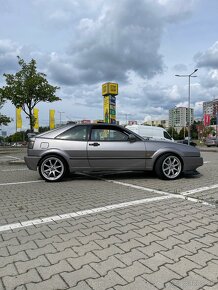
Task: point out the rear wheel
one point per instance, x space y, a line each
168 166
52 168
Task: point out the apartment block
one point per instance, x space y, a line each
180 117
210 108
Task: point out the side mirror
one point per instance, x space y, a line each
132 138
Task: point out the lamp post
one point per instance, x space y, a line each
189 97
60 116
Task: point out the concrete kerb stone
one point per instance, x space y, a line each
205 149
17 162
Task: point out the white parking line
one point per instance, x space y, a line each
21 182
165 195
12 170
80 213
10 157
137 187
179 195
201 189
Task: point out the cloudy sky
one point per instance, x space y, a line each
140 44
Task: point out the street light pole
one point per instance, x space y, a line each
60 116
189 101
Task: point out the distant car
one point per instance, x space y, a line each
212 141
185 141
106 147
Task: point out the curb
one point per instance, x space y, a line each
208 150
17 162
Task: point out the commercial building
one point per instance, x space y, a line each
179 117
164 123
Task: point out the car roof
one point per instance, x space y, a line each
55 132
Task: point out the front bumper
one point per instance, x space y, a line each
192 163
31 162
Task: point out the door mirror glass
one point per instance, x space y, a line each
132 138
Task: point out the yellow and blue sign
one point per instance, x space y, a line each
109 91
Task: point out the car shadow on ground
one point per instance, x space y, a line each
126 175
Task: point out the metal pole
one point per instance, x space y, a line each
189 97
172 122
189 110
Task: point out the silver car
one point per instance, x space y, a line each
212 141
106 147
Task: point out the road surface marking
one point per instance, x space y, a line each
11 157
201 189
21 182
79 213
17 169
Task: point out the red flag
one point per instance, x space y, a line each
206 120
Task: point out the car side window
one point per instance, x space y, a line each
77 133
99 134
167 136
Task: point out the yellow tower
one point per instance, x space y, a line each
109 92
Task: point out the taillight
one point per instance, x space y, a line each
31 144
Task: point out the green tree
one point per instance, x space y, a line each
183 133
194 131
16 137
4 120
27 88
213 121
173 133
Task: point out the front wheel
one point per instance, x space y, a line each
168 166
52 168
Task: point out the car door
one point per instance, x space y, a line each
109 148
73 144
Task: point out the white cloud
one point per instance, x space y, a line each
209 58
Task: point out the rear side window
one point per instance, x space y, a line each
77 133
167 136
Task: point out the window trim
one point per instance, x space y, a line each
105 127
82 126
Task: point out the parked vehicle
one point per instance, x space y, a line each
185 141
212 141
101 147
151 132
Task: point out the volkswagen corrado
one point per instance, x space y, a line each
106 147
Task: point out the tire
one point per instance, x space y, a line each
52 168
168 166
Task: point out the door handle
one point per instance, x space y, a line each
94 144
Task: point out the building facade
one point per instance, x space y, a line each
164 123
210 108
180 117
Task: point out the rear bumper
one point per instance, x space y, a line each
31 162
192 163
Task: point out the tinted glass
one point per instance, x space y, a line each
108 135
78 133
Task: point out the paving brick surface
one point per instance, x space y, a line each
169 244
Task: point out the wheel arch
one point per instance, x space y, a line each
57 154
167 153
